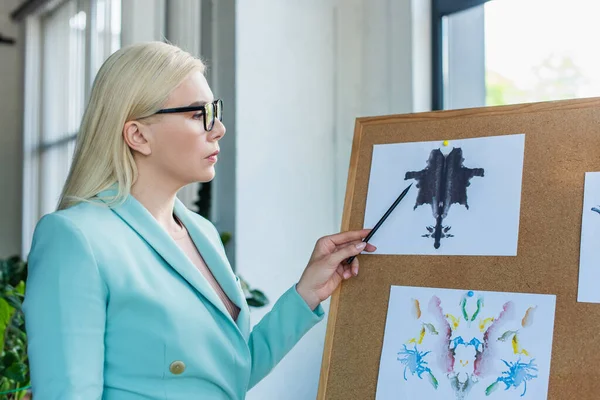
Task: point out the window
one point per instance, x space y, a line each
509 51
65 48
62 100
547 52
107 34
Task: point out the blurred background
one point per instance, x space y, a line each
294 75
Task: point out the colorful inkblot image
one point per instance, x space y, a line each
466 197
466 345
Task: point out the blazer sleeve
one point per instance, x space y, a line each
65 312
278 331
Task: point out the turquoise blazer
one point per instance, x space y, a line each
115 310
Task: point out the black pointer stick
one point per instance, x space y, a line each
387 214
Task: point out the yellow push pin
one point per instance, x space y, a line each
446 143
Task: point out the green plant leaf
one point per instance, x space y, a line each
14 369
12 271
17 372
254 297
225 238
258 298
254 303
13 300
6 312
3 272
244 284
21 288
10 357
21 394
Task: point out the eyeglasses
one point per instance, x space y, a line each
209 111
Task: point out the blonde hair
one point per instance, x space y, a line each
133 83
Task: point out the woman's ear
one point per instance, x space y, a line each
135 136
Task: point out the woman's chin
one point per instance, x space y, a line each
206 176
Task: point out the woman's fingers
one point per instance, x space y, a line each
345 237
332 243
346 252
368 248
343 253
347 274
351 270
343 271
353 267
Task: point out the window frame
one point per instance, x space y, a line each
439 10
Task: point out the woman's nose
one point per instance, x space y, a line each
218 130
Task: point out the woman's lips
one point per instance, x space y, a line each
213 157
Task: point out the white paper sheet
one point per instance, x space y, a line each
490 226
451 344
589 258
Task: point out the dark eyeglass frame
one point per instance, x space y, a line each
217 112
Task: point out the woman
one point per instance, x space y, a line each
129 294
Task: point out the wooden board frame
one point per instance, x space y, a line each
562 142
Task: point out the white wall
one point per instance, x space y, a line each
11 110
285 160
304 71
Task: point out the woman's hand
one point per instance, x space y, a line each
327 265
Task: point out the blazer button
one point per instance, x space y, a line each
177 367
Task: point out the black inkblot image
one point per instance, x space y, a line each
442 183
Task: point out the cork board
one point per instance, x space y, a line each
562 142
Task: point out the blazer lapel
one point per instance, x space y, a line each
208 243
140 219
